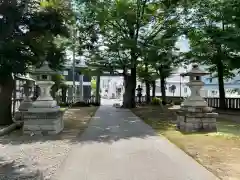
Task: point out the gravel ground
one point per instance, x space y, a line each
24 157
24 160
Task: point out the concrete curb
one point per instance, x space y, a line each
9 129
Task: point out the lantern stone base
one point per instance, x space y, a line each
25 105
194 119
43 121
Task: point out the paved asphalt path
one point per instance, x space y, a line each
119 146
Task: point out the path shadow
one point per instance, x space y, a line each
120 124
110 134
11 170
115 125
72 128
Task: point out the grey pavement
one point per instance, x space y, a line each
110 101
117 145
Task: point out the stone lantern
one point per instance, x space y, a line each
44 81
195 115
44 116
27 101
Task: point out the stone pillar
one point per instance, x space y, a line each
79 90
70 94
78 93
26 103
45 99
98 98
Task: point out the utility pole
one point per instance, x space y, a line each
180 86
74 36
74 62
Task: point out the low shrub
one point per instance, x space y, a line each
63 104
156 101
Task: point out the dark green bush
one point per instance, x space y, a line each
63 104
80 104
178 102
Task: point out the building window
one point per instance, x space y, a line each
185 90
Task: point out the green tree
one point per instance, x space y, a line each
123 25
27 38
93 86
231 14
162 55
209 34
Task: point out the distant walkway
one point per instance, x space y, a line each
119 146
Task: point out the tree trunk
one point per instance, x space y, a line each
148 98
130 85
98 98
127 98
163 91
153 89
64 94
14 97
221 85
6 89
130 81
147 83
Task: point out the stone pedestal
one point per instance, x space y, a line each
26 103
45 123
70 94
193 119
81 88
79 97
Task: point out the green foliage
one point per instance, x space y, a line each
156 101
210 35
93 84
213 31
125 28
146 74
28 37
30 33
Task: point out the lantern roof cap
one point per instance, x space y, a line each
44 69
195 71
